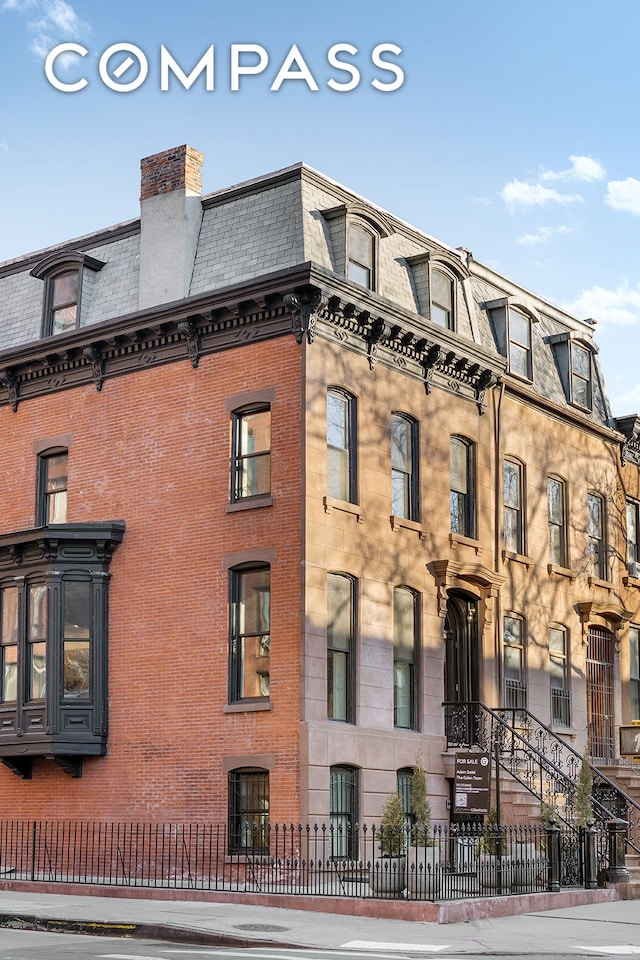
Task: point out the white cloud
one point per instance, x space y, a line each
619 306
544 234
50 21
624 195
518 193
582 168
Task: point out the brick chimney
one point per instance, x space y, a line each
170 219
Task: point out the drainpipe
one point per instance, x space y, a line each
497 446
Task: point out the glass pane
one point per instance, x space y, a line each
634 654
556 641
77 610
337 685
64 319
457 510
519 360
594 517
254 475
556 554
580 361
9 615
401 447
9 673
511 530
555 503
556 673
441 291
255 432
76 669
360 275
404 609
37 670
37 611
400 505
512 630
338 473
339 612
519 329
580 391
255 666
512 663
511 484
402 684
440 316
337 421
65 289
459 472
254 602
360 247
56 469
57 507
632 524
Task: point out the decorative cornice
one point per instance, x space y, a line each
304 306
61 544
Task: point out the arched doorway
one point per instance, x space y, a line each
462 665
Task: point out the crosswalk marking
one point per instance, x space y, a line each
620 950
393 947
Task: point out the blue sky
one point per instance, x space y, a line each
514 134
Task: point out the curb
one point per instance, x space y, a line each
134 931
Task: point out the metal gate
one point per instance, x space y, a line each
600 725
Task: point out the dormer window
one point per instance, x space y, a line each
361 257
519 344
580 376
442 293
63 276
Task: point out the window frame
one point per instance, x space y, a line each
560 706
259 817
359 227
514 510
409 479
344 817
633 537
575 377
238 673
515 689
53 268
406 654
345 654
557 526
467 514
634 671
241 458
346 456
597 538
46 497
451 313
514 344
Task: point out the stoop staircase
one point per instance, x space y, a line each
543 765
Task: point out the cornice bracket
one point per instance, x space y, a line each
8 380
189 331
304 305
92 355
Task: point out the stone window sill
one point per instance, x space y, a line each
457 540
603 584
556 571
331 503
398 523
631 582
251 503
509 557
247 706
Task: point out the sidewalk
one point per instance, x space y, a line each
610 928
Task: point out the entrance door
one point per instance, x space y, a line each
600 726
462 668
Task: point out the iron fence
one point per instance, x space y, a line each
460 862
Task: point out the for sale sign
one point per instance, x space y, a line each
473 776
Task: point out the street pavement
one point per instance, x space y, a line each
609 929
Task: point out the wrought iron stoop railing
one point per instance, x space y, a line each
536 757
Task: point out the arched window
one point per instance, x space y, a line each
404 466
341 445
51 504
442 299
514 661
340 647
250 633
405 646
462 493
514 526
559 675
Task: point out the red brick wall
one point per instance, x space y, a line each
152 449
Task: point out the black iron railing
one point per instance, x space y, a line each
451 863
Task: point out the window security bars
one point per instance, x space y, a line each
461 862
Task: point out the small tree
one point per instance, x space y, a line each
584 808
420 805
392 827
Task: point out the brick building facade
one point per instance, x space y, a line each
281 476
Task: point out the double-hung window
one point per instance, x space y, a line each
405 623
514 534
341 445
634 671
519 347
9 598
442 299
559 676
515 686
249 811
404 467
250 638
52 487
596 536
633 544
340 647
461 496
556 515
344 801
580 375
361 256
250 452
